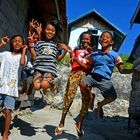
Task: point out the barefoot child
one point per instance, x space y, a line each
45 55
10 63
103 62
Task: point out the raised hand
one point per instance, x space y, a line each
38 28
32 25
5 40
31 39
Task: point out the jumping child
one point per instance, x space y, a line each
103 62
45 55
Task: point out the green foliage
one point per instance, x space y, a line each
65 60
126 64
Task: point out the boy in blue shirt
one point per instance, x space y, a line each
103 62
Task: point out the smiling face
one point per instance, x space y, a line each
50 31
17 44
86 40
106 40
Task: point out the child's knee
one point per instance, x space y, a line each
37 85
45 84
83 85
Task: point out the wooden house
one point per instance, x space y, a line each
96 23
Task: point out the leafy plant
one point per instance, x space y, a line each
126 64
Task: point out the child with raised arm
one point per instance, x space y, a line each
45 55
103 62
10 63
79 70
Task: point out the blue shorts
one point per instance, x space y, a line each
104 85
7 101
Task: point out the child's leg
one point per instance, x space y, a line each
101 104
37 80
109 94
9 104
71 89
48 79
86 96
92 97
8 117
30 89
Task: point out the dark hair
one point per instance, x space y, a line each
11 41
110 32
93 42
58 28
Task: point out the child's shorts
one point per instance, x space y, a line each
7 101
104 85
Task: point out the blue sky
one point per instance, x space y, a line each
118 12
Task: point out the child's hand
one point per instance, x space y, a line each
73 59
31 40
24 47
38 28
63 46
89 60
31 37
4 40
89 49
32 24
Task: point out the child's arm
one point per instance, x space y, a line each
38 28
31 45
66 49
4 41
89 61
124 71
119 65
23 55
79 62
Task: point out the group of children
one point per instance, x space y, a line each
90 68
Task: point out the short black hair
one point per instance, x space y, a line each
58 27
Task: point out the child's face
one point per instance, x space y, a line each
86 40
36 38
50 31
17 44
106 40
